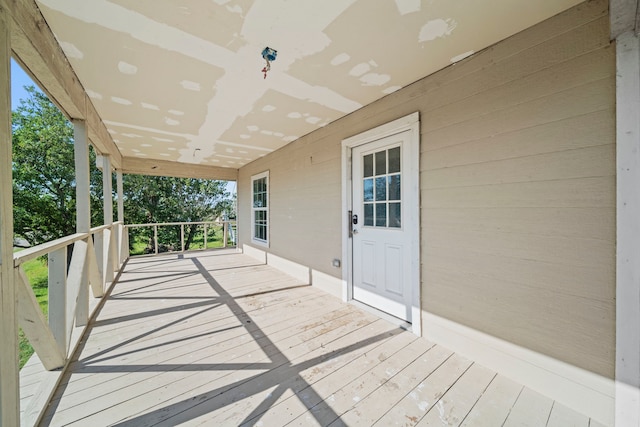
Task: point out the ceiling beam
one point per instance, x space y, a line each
624 16
137 166
37 50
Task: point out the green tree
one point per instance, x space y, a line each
44 182
157 199
44 171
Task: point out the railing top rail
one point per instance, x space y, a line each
160 224
44 248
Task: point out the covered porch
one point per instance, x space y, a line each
523 193
219 338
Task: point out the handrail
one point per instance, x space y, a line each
44 248
160 224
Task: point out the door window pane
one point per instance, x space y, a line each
382 184
381 162
368 214
381 214
368 165
394 187
381 188
395 217
394 160
368 190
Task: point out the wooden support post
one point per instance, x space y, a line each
628 230
107 196
123 251
225 232
9 388
58 321
83 209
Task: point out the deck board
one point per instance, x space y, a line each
216 338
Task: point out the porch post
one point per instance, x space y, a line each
628 230
121 236
83 209
9 373
107 196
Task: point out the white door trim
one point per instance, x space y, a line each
409 123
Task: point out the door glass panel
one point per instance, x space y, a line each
368 190
395 217
394 187
381 188
382 184
381 214
381 162
368 214
368 165
394 160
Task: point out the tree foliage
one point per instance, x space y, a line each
44 197
157 199
44 182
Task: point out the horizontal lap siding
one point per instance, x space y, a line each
518 195
517 189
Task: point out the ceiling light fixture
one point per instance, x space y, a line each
269 55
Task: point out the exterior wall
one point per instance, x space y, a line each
517 189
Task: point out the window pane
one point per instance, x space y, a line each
395 215
368 190
394 187
381 163
368 214
394 160
381 188
368 165
381 214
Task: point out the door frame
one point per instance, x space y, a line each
409 123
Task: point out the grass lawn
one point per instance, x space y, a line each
37 272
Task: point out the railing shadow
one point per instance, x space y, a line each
279 372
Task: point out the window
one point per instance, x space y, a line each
260 208
381 189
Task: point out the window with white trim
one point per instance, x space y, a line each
260 208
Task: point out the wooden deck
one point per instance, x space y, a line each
216 338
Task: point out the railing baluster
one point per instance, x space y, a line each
57 265
182 237
225 232
155 238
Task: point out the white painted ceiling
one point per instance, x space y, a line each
181 80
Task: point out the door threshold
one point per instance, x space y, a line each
403 324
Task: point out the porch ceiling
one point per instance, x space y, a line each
181 81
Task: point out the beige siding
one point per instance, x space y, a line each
517 189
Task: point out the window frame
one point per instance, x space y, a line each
258 241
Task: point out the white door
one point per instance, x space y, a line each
381 224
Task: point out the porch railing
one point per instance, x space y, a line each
228 229
95 257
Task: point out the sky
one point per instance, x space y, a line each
19 79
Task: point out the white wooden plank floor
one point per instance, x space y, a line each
216 338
